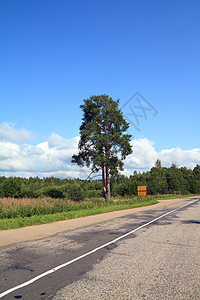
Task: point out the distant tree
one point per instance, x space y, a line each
174 165
173 179
103 138
11 187
185 185
122 189
157 183
75 192
196 172
158 164
53 192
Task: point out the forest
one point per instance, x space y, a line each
159 180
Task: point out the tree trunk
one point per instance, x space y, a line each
107 185
103 181
107 176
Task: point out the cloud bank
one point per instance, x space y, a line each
53 156
9 133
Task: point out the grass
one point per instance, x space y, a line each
16 213
167 197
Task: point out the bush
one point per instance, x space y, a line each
11 187
122 189
53 192
75 192
94 194
31 191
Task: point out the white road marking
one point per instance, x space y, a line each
88 253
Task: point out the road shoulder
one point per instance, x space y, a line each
12 236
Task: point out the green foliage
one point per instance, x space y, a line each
94 194
122 189
15 217
157 183
75 192
159 180
173 179
103 138
11 187
53 192
196 172
32 190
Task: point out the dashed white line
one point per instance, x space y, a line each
90 252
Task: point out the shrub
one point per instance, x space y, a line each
75 192
53 192
11 187
94 194
122 189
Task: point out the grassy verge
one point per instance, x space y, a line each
9 223
16 213
167 197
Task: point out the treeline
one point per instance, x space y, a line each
159 180
74 189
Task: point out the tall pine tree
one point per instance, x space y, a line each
104 142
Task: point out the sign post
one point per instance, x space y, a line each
142 190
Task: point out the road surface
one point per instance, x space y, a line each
150 254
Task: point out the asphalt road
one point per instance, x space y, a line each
161 260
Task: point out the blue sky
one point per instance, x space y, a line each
54 54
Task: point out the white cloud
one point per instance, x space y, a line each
53 158
56 141
49 158
188 158
144 156
9 133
